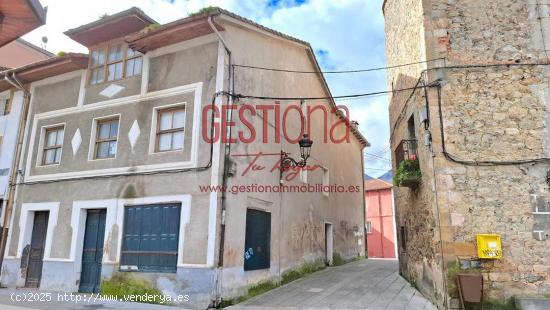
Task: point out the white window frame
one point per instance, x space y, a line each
368 227
93 136
40 153
154 122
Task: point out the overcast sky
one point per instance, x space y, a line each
345 34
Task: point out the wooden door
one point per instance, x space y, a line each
36 252
92 253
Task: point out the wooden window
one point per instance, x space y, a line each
113 62
150 238
5 106
170 129
53 144
97 67
133 62
106 138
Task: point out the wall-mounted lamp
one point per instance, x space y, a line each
305 150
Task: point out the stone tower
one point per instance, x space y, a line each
476 119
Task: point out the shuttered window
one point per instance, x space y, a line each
150 238
257 240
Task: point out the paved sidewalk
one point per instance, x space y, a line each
366 284
8 302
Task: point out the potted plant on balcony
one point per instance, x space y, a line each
408 173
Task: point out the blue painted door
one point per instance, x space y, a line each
257 240
92 253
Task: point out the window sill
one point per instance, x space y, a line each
113 81
167 152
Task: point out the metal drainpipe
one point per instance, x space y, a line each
226 160
14 171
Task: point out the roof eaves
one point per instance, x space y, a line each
39 11
253 23
140 35
46 62
133 10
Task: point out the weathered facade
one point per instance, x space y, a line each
95 159
480 116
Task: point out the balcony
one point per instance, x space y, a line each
406 150
408 168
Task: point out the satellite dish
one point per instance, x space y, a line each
45 40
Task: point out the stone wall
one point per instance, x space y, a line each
497 114
416 211
490 113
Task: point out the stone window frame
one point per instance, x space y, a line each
127 56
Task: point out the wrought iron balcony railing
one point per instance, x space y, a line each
407 149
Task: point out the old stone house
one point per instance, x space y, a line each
119 173
477 121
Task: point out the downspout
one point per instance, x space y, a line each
227 159
364 202
15 163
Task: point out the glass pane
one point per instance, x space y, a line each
130 67
59 140
101 57
57 155
115 53
114 129
112 148
94 57
49 157
165 120
165 142
130 53
118 71
97 76
104 130
98 58
102 150
111 72
179 119
51 137
137 66
177 140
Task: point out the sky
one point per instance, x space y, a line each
345 34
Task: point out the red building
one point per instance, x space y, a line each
380 219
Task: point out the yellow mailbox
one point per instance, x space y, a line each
489 246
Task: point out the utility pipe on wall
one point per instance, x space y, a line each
227 154
15 164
